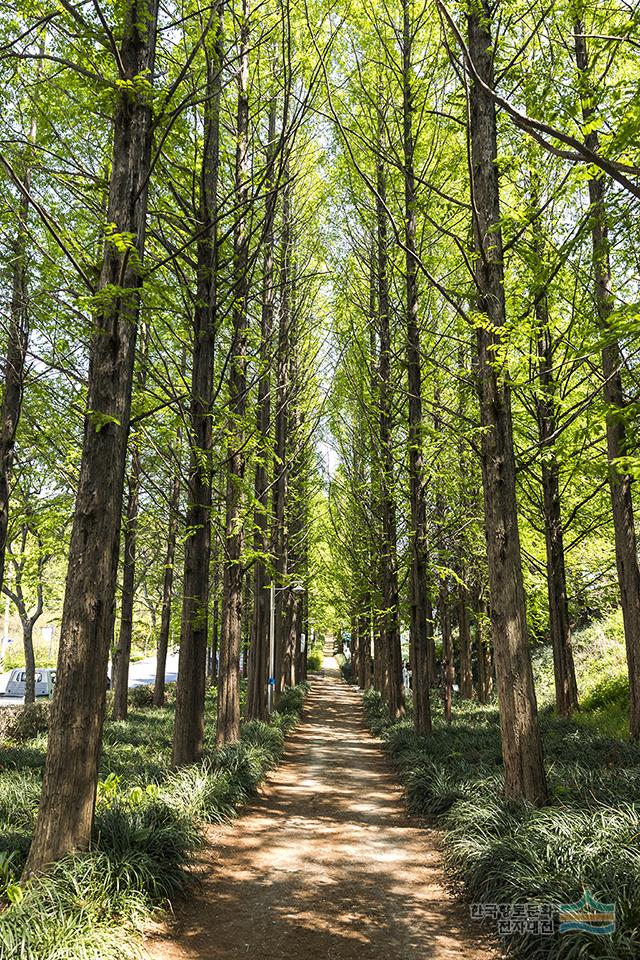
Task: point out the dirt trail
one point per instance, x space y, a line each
326 864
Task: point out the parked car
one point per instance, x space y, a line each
16 685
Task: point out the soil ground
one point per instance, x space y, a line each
326 863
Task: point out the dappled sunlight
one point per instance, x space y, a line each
326 863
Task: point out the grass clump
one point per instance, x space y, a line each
149 822
501 852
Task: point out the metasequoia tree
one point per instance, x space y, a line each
65 816
626 546
228 722
188 732
521 742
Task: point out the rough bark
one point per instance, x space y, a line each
188 731
259 650
388 649
448 666
228 719
65 816
464 626
419 571
123 650
626 547
566 688
14 364
167 590
521 742
279 535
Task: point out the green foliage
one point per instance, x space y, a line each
149 823
498 851
24 723
141 696
315 659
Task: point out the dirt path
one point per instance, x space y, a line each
325 864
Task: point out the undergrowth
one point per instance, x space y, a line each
501 852
149 823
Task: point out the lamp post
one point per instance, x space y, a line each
294 588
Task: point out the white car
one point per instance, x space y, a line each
16 685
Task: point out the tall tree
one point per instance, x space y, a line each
626 547
65 816
521 742
188 731
228 722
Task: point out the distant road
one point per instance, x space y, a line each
141 674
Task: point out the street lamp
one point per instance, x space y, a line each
294 588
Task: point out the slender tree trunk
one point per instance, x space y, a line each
123 651
521 742
167 590
279 536
388 649
259 650
14 364
364 662
66 810
483 653
448 666
29 661
228 726
419 572
188 730
431 644
215 621
618 446
464 624
566 689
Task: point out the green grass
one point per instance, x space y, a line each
497 851
149 823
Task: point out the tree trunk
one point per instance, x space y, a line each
431 645
167 590
259 650
418 533
618 447
566 688
123 651
464 624
388 649
228 726
215 621
188 730
29 661
521 742
17 343
448 666
65 816
279 536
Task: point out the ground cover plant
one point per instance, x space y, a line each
499 851
149 822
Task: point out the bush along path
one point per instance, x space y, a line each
501 852
326 864
150 824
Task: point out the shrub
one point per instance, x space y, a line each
85 907
24 722
141 696
315 659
